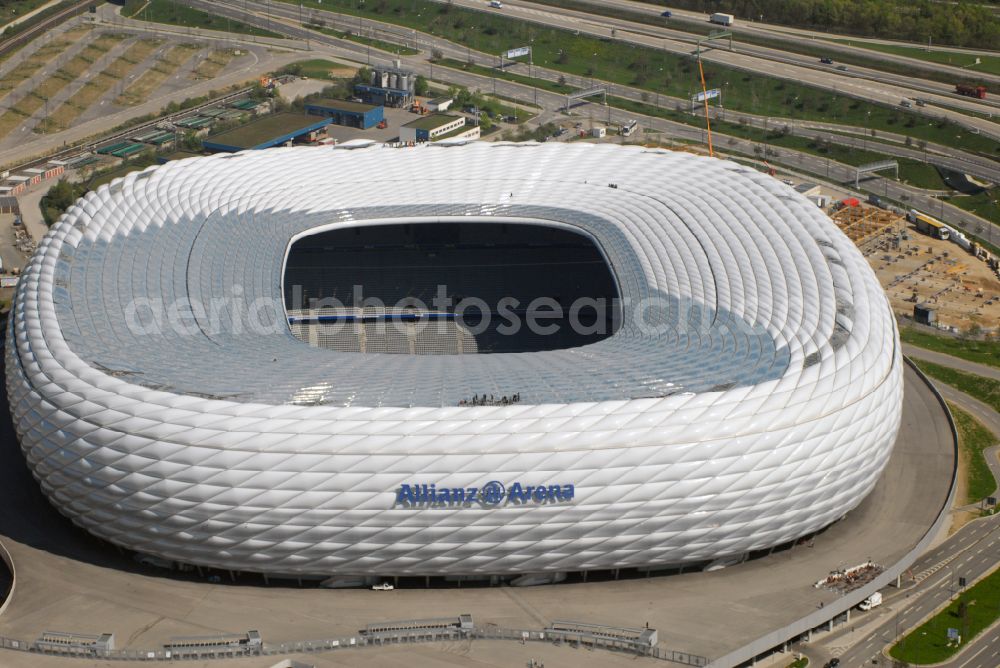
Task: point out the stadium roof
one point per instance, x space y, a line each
742 280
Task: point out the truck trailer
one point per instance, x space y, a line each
929 226
722 19
971 91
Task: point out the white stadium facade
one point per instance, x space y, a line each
194 375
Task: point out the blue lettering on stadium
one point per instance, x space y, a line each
490 495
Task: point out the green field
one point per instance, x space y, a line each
816 49
13 9
974 438
543 84
176 14
653 69
928 643
986 390
316 68
920 174
980 352
391 47
985 205
987 64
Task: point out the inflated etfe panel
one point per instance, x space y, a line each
751 394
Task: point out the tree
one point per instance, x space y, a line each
437 54
59 199
420 86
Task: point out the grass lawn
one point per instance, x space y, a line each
31 64
64 116
987 64
920 174
176 14
973 439
981 352
985 204
928 643
653 69
210 67
316 68
793 45
13 9
544 84
986 390
391 47
140 89
773 138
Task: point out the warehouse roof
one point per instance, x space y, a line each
431 122
267 131
342 105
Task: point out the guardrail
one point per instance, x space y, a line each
488 632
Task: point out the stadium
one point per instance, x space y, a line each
469 360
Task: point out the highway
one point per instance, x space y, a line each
763 29
789 55
972 552
284 18
882 90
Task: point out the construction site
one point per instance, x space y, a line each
957 289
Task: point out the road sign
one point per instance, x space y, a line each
952 634
707 95
518 52
992 500
961 582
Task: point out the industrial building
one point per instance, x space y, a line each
272 130
437 126
389 87
752 395
439 104
345 112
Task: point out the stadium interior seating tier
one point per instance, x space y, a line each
475 273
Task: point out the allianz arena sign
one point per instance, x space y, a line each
492 494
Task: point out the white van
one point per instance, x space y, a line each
496 4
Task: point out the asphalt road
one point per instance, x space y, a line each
285 19
952 361
775 31
972 552
881 90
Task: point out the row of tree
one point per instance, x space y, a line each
958 23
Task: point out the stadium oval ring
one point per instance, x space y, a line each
757 401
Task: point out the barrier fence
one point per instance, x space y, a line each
408 636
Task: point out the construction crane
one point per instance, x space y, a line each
704 95
722 34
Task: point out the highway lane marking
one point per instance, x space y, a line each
973 657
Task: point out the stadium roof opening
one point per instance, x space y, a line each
437 288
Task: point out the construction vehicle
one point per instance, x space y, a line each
971 91
418 108
382 125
